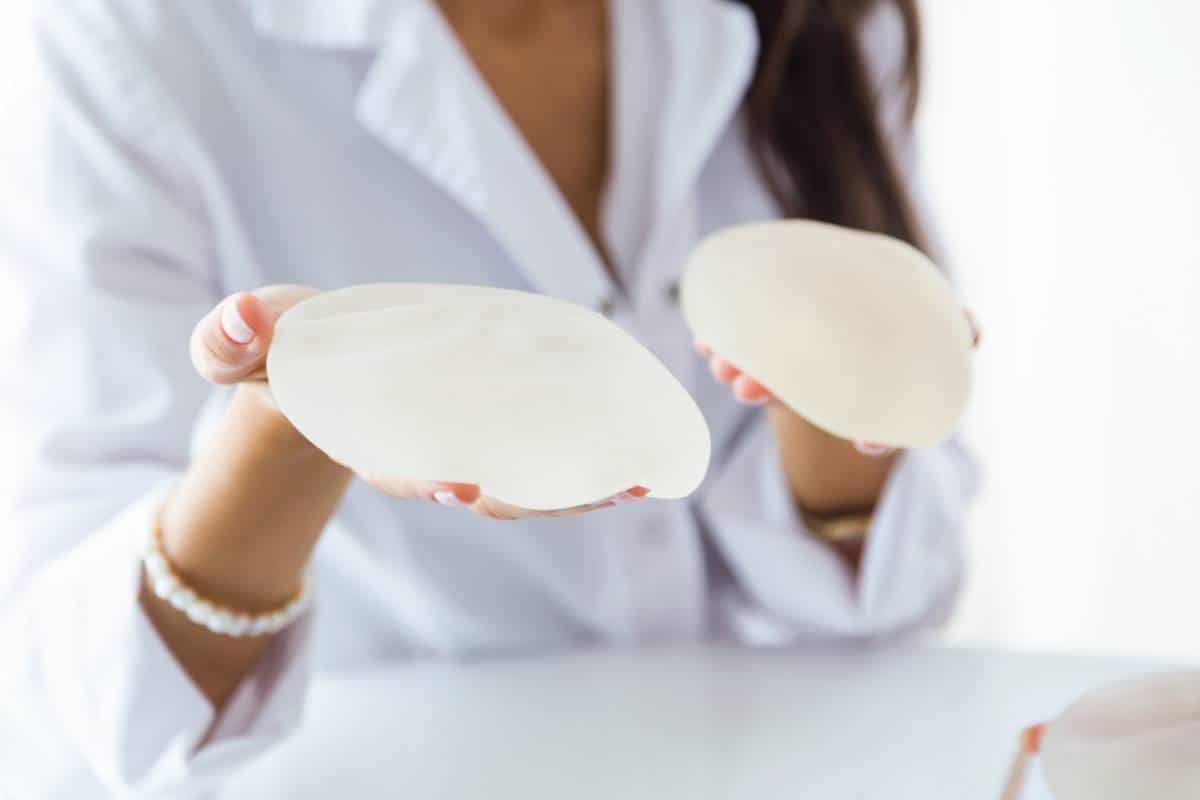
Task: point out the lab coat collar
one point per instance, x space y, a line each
423 98
710 59
342 25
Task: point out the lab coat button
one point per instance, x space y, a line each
673 292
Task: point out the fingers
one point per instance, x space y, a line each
745 389
749 391
722 370
873 450
491 508
464 496
230 343
497 509
976 333
1031 738
280 297
469 497
630 495
455 495
451 495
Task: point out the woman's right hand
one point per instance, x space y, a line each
240 525
229 346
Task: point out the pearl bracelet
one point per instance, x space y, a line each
167 585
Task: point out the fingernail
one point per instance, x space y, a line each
872 450
235 327
761 400
1031 739
974 326
625 497
448 498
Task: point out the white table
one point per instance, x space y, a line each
694 723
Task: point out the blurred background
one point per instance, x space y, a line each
1060 142
1060 147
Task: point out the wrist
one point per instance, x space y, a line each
266 439
826 475
256 417
242 522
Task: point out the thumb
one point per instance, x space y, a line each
230 343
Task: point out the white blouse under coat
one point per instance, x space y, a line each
197 149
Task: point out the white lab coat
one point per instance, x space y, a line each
196 149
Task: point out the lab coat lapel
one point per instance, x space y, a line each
413 100
345 24
710 52
523 207
423 98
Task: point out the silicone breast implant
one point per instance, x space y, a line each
543 403
859 333
1135 741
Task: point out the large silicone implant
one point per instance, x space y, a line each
859 333
543 403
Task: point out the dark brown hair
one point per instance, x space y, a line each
815 113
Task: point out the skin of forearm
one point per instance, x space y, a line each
826 474
239 530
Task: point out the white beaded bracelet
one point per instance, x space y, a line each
166 584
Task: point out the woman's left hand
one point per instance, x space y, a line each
750 392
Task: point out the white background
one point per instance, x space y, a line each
1060 143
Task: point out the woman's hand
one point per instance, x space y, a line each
827 476
229 346
750 392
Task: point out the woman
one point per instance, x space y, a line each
581 148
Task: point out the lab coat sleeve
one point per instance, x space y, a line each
786 584
109 251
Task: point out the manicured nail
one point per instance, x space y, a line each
235 327
872 450
975 331
448 498
1031 739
